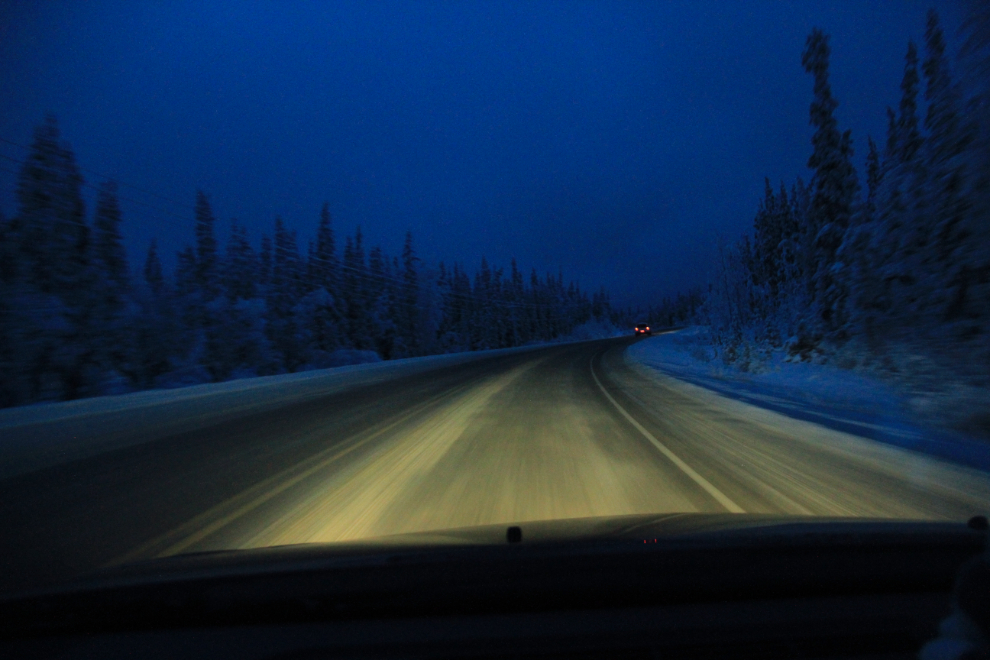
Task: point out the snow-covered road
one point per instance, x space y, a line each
556 432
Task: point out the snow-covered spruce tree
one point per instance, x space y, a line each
284 293
444 295
467 303
539 318
236 344
728 307
264 264
240 265
154 275
483 321
154 327
353 297
56 339
768 233
866 289
207 258
409 321
953 260
949 137
218 331
887 301
771 257
13 385
112 310
453 334
320 315
971 298
326 265
191 297
517 300
430 309
185 279
383 306
917 195
108 248
834 189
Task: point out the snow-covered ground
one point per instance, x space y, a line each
836 398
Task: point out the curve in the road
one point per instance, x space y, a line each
562 432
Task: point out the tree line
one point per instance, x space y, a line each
75 320
894 273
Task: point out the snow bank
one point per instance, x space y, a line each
844 400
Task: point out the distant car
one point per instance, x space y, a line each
643 329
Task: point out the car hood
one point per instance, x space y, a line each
544 537
627 561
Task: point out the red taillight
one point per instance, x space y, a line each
647 328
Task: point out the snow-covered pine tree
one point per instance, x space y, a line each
240 265
265 263
454 335
108 248
50 229
483 321
154 331
185 272
444 324
906 139
111 282
971 299
516 299
11 386
834 189
866 289
53 240
886 301
380 291
320 314
537 317
154 276
207 260
282 327
950 258
767 236
326 267
409 322
235 342
354 301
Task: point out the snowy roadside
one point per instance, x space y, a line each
835 398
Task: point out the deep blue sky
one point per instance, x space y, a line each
614 140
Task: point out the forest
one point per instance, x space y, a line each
888 273
77 320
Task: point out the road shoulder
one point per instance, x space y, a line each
838 400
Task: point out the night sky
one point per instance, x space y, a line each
614 141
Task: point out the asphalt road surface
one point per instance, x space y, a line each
563 431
